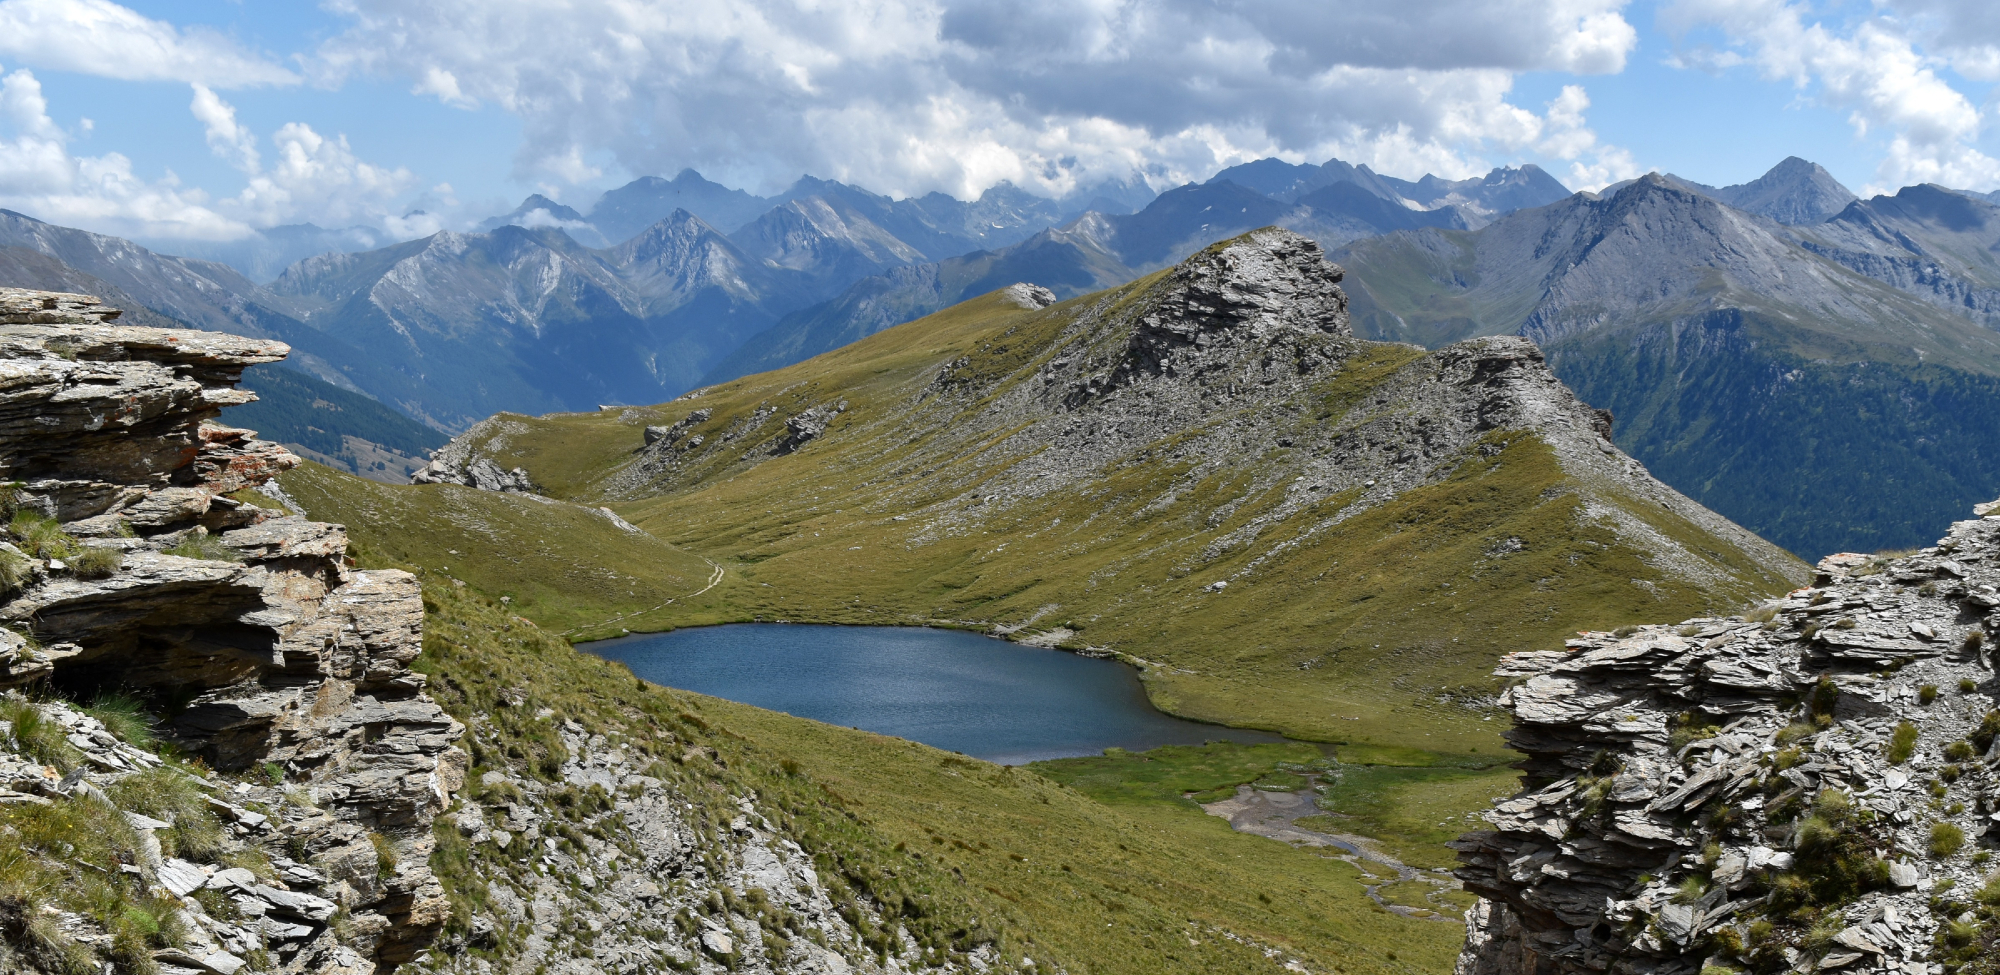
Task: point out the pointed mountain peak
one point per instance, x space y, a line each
679 223
1795 191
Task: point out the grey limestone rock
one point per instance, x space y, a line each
1668 771
283 654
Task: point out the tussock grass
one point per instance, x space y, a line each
166 793
125 716
1902 743
40 536
96 561
37 736
200 544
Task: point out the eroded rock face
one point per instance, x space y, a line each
1809 788
247 619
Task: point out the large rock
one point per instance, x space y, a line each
277 651
1674 776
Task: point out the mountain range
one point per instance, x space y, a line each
1829 385
664 283
1690 311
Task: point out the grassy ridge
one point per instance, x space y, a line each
563 565
1139 888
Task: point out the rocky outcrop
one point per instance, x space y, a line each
1809 787
618 858
1270 287
458 463
139 565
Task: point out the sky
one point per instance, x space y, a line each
212 119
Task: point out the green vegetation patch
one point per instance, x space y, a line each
564 565
1413 812
1202 773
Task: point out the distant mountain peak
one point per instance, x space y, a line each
1795 192
538 211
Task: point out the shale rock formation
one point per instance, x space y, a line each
1811 787
140 565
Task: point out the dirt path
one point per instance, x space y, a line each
713 578
1275 815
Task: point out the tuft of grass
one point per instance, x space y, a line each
1958 751
14 570
1989 729
385 856
1902 743
125 716
96 561
1795 732
199 544
1967 685
169 794
38 736
1927 694
40 536
1946 839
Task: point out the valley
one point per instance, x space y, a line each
1243 501
1314 506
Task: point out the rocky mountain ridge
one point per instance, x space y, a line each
1718 336
1810 787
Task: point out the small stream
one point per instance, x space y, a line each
1274 815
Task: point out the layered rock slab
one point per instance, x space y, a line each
1810 787
247 621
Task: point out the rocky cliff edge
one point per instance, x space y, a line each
1810 787
139 569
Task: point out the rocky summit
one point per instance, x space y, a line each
1809 787
141 569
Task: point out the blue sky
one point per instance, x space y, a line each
210 119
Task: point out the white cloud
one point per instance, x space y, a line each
320 179
40 177
1568 137
101 38
1874 68
908 96
1965 33
311 178
226 138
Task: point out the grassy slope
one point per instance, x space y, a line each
1360 634
1095 887
561 564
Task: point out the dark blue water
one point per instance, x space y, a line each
954 690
